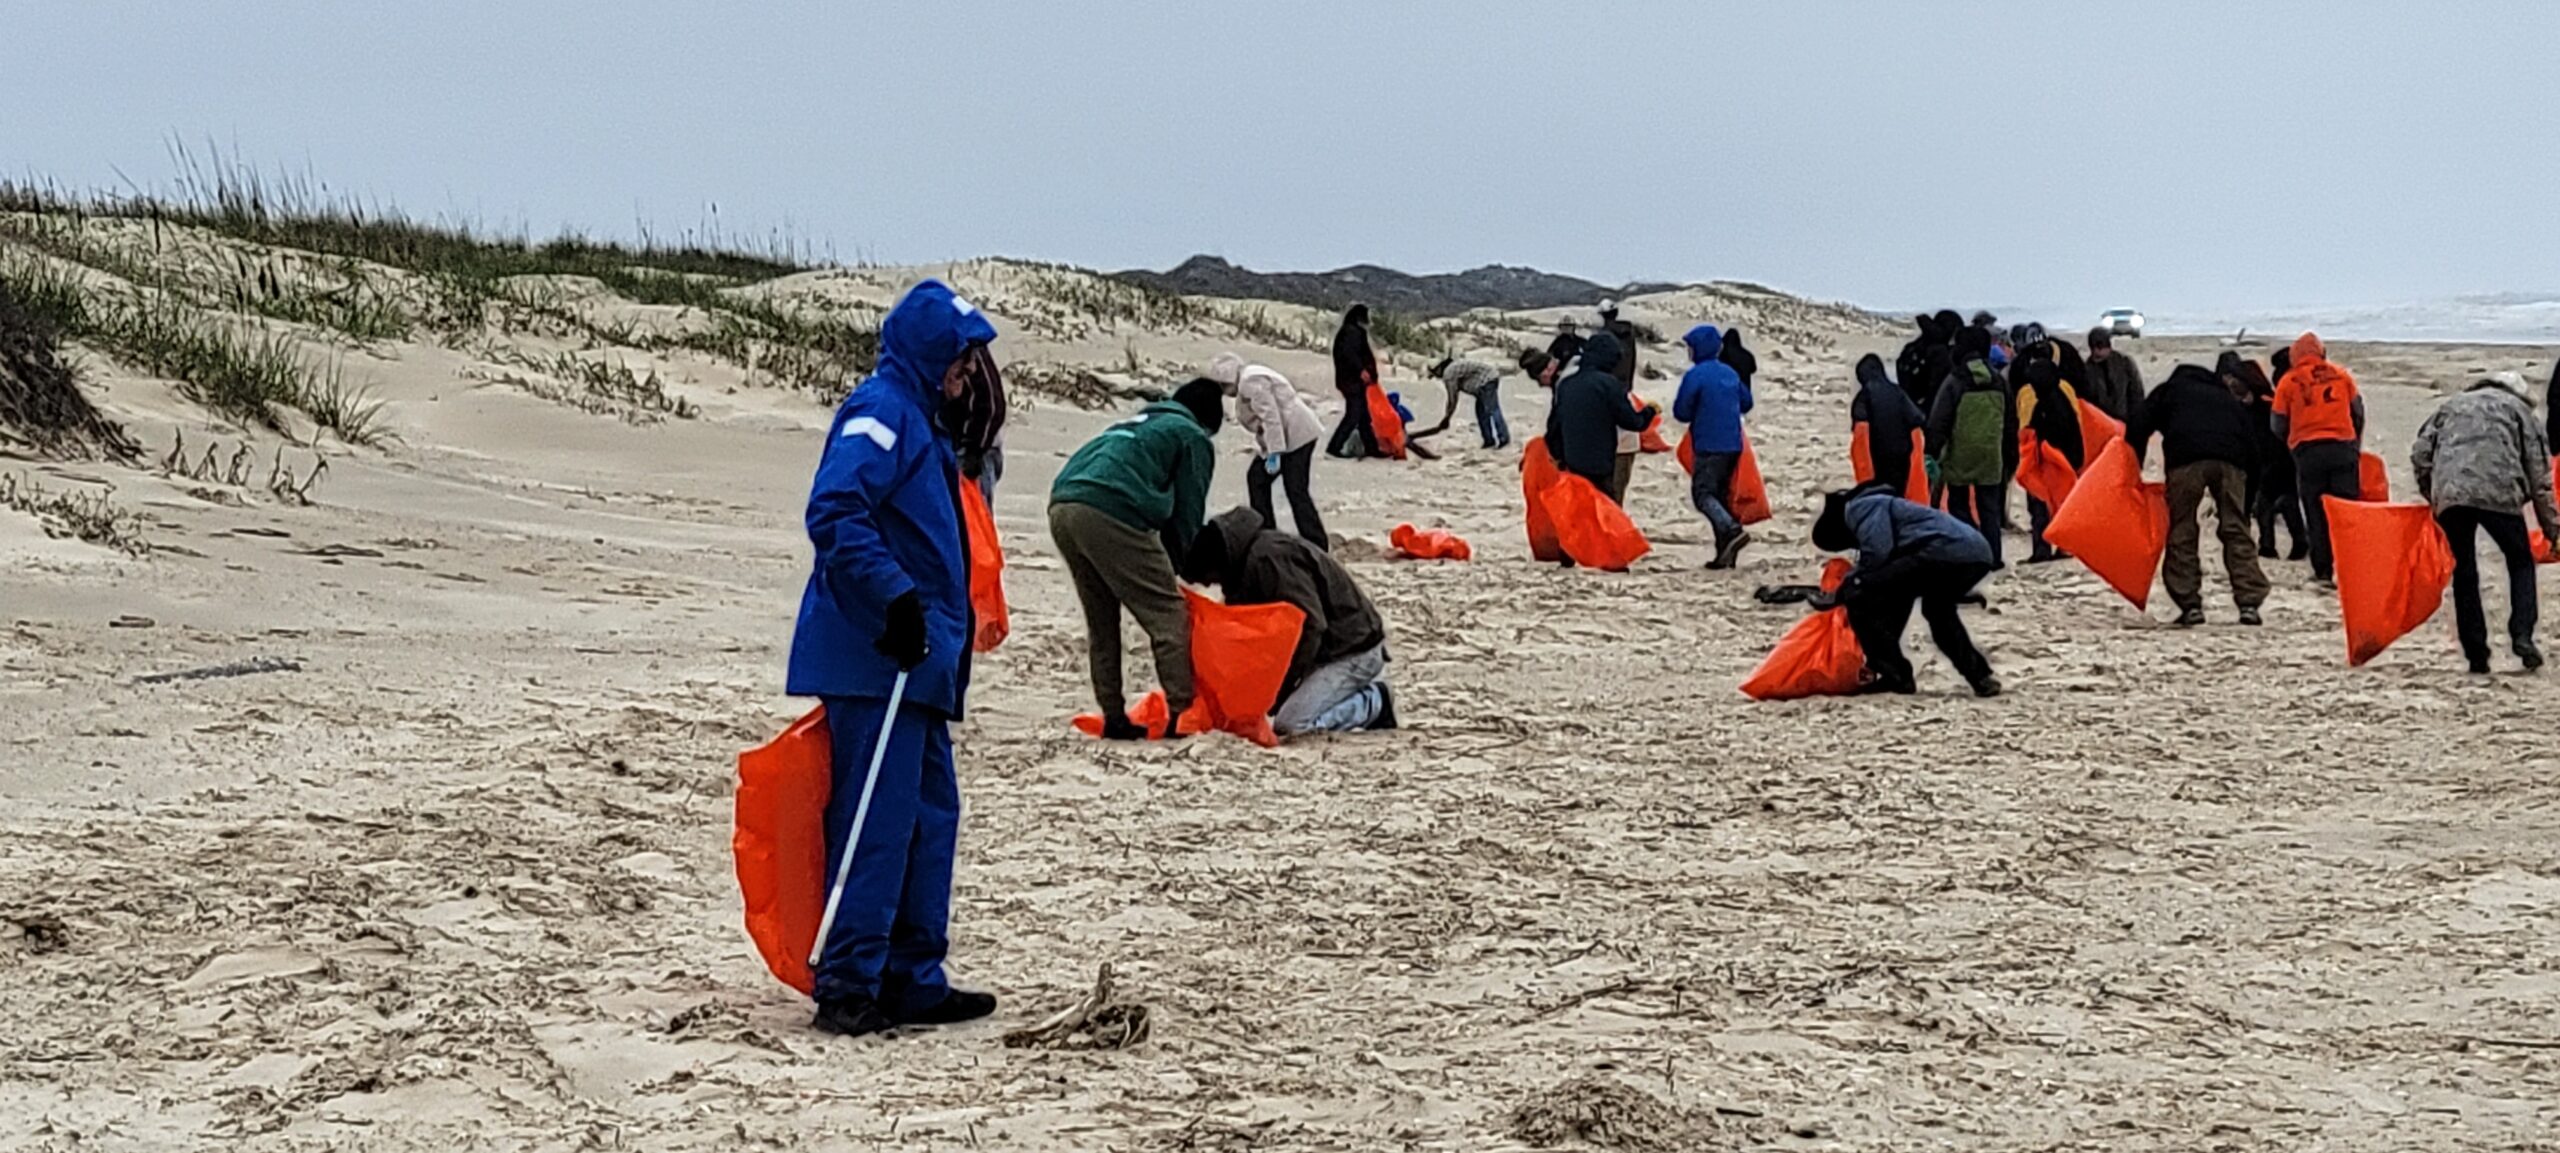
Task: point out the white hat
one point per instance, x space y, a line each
1608 307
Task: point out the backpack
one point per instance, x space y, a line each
1975 454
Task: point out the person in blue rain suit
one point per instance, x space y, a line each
889 596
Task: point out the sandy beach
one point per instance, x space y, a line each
400 820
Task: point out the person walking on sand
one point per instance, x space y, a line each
1337 680
2209 443
1712 400
2480 457
1285 430
2271 479
1591 407
2048 407
2321 417
1123 509
883 641
1973 436
1908 554
2115 381
1355 370
1890 417
1479 382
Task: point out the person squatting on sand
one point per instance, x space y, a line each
1337 680
1907 554
2480 458
2209 446
1355 368
1480 382
1712 400
883 641
1285 430
2320 415
1591 409
1123 509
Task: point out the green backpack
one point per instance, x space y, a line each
1974 454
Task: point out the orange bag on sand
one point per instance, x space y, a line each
1538 473
1595 532
2096 429
986 570
2393 568
1386 422
1862 463
2374 477
780 842
2115 523
1437 544
1651 440
2043 471
1239 659
1819 657
1750 493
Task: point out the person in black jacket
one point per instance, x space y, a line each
1926 361
1355 369
1738 358
2050 409
2275 487
1890 417
1589 409
1567 344
2210 447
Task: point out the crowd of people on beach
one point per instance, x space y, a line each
1966 411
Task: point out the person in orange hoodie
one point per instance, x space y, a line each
2320 415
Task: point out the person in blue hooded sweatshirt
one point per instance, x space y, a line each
1713 398
889 599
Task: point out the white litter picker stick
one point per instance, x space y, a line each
861 810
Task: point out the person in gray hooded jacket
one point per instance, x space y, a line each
2481 458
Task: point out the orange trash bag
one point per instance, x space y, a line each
986 570
2373 477
780 843
2115 523
2393 568
1538 473
1437 544
1862 463
1239 659
2096 429
1386 422
1819 657
1750 494
1652 440
1595 532
2043 471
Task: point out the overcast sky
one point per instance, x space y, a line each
2172 155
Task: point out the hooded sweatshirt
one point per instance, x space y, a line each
884 517
1258 566
2483 449
1268 406
1713 395
1885 528
2198 418
1889 415
2318 399
1149 472
1923 361
1355 363
1589 410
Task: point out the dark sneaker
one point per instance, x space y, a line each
1987 687
2531 655
2325 584
1386 718
1727 552
1874 684
2249 616
854 1017
2190 618
1121 728
955 1007
2044 558
2300 551
2479 666
2267 552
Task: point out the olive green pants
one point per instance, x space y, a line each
1115 565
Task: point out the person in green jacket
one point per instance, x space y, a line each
1973 438
1125 505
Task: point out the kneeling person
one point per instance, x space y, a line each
1337 678
1907 554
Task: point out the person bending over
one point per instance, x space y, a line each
1337 680
1907 554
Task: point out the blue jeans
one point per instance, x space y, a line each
892 927
1711 490
1489 421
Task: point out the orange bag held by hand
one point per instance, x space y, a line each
1819 657
2115 523
780 843
986 570
2393 568
2373 477
1595 532
1750 493
1239 659
1437 544
1538 474
1386 422
2043 471
1862 463
2096 429
1652 440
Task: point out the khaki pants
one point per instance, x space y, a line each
2183 570
1114 565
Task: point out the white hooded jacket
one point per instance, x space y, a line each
1267 405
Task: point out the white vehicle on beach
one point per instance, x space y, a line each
2121 322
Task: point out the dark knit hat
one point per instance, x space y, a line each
1831 528
1206 399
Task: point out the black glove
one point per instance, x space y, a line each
1823 600
902 639
972 464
